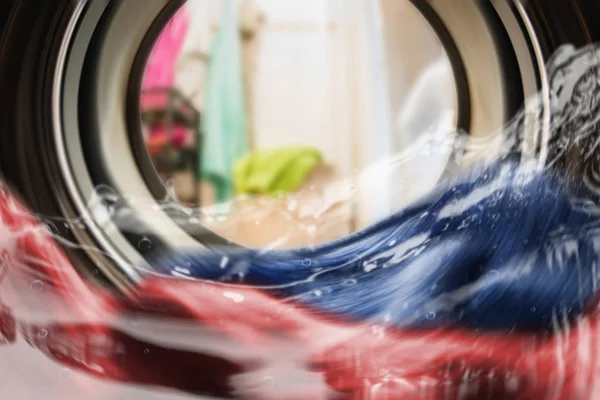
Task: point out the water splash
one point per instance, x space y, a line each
563 250
476 249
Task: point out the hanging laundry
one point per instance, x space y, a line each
160 74
192 65
224 122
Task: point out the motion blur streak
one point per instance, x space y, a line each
522 323
360 361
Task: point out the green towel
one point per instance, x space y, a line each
275 171
224 117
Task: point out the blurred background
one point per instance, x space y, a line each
294 123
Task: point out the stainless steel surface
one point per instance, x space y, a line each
67 138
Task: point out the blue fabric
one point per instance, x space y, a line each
502 248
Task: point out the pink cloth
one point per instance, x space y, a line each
160 72
160 69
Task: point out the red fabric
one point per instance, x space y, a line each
360 361
156 143
159 139
159 134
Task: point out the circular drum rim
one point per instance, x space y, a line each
98 53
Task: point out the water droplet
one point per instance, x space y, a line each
224 262
146 351
268 381
392 243
51 228
43 333
350 282
533 309
493 274
318 293
65 373
37 286
430 316
236 297
307 262
145 244
369 267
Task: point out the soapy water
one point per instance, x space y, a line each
338 307
481 250
482 253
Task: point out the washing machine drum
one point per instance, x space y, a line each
71 143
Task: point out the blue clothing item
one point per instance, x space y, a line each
504 247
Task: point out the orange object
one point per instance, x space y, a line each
156 143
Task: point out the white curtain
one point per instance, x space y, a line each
366 108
